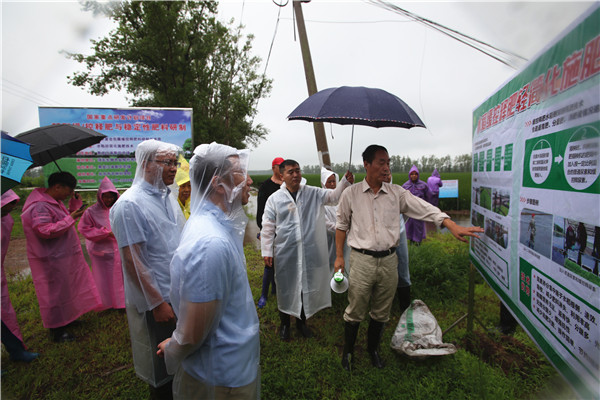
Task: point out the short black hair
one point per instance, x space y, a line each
287 162
62 178
369 154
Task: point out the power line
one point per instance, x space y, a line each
505 57
27 94
394 21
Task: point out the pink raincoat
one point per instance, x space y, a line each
9 317
63 281
103 249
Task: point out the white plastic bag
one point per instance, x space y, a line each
418 334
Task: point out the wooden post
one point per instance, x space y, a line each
471 299
311 83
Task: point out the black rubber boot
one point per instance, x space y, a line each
350 333
403 294
15 347
284 328
373 338
303 329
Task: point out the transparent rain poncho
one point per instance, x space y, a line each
294 234
147 224
216 341
330 219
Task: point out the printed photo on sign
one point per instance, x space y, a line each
536 231
497 232
477 219
482 196
576 245
500 201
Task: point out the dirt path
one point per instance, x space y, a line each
16 258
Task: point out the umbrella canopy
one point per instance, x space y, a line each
49 143
15 161
350 105
357 105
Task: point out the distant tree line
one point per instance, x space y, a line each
461 163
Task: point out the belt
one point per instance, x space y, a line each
377 254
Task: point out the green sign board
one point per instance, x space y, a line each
536 193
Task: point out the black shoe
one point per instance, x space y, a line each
284 333
376 359
304 330
350 333
63 337
24 356
506 329
374 335
347 361
403 294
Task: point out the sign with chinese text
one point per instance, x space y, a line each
124 128
449 189
536 193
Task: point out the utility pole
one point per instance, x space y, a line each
311 82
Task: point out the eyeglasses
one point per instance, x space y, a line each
168 163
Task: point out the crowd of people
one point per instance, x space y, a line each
169 251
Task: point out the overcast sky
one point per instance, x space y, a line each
353 43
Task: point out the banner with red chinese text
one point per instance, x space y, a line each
536 193
124 128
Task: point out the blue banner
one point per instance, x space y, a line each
124 128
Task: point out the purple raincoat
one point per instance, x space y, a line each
103 249
434 183
9 317
415 229
63 281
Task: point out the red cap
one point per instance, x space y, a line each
276 161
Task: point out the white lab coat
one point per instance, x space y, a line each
294 234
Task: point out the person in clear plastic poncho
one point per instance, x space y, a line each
294 238
147 222
215 349
330 180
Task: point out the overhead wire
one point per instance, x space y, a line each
26 94
505 57
264 74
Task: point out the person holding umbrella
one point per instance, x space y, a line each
329 180
369 216
63 281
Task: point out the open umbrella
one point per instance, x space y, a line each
15 161
51 142
357 105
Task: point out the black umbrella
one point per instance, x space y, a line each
349 105
49 143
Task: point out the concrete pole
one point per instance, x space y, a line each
320 137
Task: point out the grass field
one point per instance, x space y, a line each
486 366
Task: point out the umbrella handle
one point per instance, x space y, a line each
351 141
54 161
